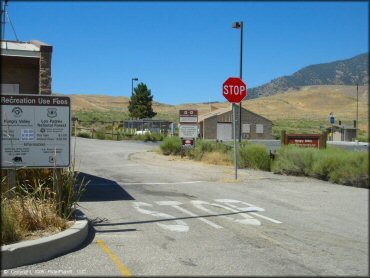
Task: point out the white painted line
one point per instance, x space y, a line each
247 218
159 183
267 218
176 205
181 226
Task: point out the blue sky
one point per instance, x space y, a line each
184 51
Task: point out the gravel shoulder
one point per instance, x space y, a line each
206 171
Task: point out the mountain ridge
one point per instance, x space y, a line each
340 72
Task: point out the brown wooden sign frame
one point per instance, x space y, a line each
305 140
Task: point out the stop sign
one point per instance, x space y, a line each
234 89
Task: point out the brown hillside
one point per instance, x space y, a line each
310 102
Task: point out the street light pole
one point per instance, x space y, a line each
357 115
132 93
132 85
239 25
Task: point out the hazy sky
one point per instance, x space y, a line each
184 51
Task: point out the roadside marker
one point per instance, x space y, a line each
115 259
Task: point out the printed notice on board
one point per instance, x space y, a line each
35 131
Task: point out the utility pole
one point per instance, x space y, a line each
241 74
357 115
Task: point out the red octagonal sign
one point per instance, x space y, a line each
234 89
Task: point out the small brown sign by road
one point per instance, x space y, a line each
305 140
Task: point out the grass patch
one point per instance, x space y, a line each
332 164
100 134
217 158
171 145
253 156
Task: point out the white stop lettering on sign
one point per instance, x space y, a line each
235 90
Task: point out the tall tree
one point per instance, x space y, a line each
140 104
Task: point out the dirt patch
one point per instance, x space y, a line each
48 232
199 170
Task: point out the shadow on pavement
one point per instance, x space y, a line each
101 189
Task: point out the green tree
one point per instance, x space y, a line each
140 104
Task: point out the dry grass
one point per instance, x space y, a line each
309 102
24 217
217 158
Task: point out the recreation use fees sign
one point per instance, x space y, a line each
35 131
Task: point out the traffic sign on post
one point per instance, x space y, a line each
234 89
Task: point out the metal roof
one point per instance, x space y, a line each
214 113
224 110
20 49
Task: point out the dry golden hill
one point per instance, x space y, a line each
310 102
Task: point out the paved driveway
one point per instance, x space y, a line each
158 215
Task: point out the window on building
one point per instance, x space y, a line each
246 128
259 128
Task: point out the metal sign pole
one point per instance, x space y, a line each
235 151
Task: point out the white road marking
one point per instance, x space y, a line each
267 218
251 209
229 202
248 219
159 183
181 226
176 205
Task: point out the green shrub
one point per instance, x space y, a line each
293 160
254 156
100 134
84 134
332 164
171 145
363 139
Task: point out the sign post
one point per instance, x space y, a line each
234 90
332 121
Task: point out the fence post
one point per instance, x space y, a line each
282 136
324 138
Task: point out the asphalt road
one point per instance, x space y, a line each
157 215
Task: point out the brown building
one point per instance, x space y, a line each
218 125
26 67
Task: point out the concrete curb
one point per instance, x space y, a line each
41 249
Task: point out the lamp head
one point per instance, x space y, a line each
236 25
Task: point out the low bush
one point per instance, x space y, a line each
253 156
100 134
293 160
84 134
332 164
203 146
171 145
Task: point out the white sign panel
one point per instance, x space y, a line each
188 131
35 131
193 119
